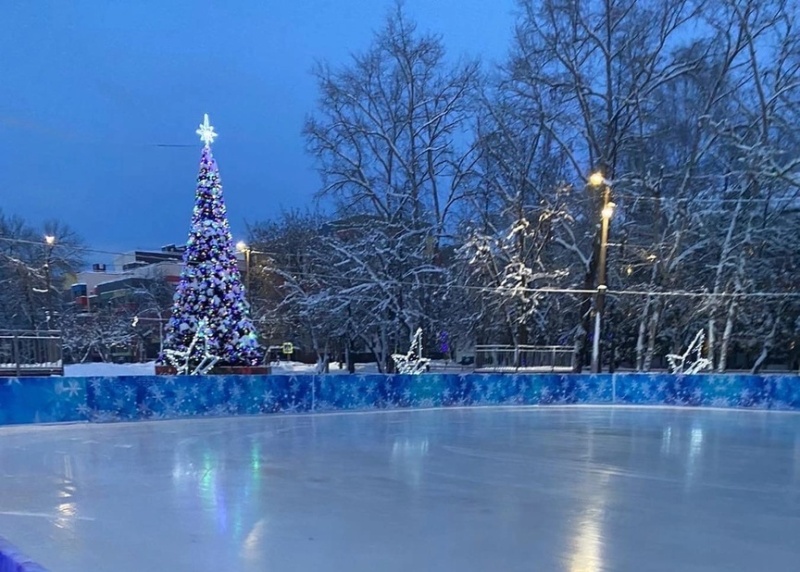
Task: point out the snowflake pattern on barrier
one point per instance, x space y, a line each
105 399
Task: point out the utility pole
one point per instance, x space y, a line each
50 242
597 180
242 246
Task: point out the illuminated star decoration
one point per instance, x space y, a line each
678 363
181 360
412 363
206 132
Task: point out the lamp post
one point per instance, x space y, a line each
241 246
49 241
597 180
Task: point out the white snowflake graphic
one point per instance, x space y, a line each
157 393
72 388
180 394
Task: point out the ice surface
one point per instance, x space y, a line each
552 489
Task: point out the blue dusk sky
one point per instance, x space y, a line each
100 100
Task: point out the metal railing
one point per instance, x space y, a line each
500 358
29 353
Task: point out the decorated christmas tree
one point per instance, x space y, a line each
210 305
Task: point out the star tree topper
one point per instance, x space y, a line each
206 131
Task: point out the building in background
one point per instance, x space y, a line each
126 302
130 271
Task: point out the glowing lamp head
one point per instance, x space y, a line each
241 246
597 179
50 240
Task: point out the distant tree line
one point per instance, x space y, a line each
36 266
34 262
461 202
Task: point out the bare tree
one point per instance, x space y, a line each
33 266
386 137
591 69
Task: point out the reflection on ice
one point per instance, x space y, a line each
666 441
254 542
408 456
695 448
66 515
587 544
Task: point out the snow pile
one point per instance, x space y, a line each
278 368
109 369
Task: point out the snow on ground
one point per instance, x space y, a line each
283 367
109 369
294 367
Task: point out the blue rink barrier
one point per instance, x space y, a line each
103 399
12 560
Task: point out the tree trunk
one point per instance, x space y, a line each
521 340
769 342
727 247
386 353
640 339
579 352
652 334
712 336
582 332
726 336
348 357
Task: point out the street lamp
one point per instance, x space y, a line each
50 242
597 180
241 246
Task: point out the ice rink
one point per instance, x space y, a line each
574 489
